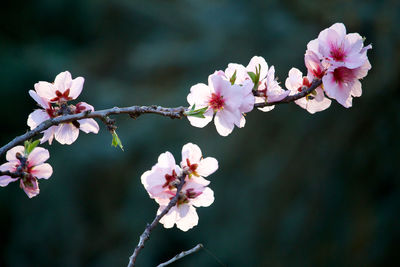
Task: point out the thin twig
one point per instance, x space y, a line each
133 111
146 234
13 174
181 255
291 98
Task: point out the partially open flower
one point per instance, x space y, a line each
30 166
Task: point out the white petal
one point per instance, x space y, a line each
224 123
41 101
38 156
42 171
199 95
48 134
10 156
67 134
76 87
258 61
201 122
45 90
205 199
166 160
89 126
192 152
187 217
63 81
169 219
207 166
37 117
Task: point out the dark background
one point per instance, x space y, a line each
293 189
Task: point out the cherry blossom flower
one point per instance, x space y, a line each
267 86
31 167
222 99
53 98
197 166
184 214
314 102
340 49
162 180
343 83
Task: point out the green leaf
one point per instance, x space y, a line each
116 141
198 113
233 78
252 75
30 146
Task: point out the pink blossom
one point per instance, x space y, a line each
53 98
340 49
270 91
222 99
343 83
184 214
314 102
162 180
32 166
197 166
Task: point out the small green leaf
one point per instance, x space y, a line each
30 146
199 113
252 76
233 78
116 141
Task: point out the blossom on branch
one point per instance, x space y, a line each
53 99
344 62
313 102
226 101
162 180
29 165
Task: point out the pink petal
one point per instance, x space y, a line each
48 134
10 156
86 106
241 72
294 80
42 171
76 87
257 61
224 122
89 126
166 160
40 100
45 90
31 191
38 156
37 117
199 95
5 179
192 152
63 81
67 133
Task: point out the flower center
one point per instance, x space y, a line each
192 168
337 53
170 178
343 75
216 102
61 97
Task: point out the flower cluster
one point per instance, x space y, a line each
337 59
28 163
162 180
53 99
340 60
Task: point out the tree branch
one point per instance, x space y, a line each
181 255
291 98
13 174
146 234
133 111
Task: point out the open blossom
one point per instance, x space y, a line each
341 60
268 87
32 167
314 102
221 99
53 99
162 180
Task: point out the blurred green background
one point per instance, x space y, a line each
293 189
